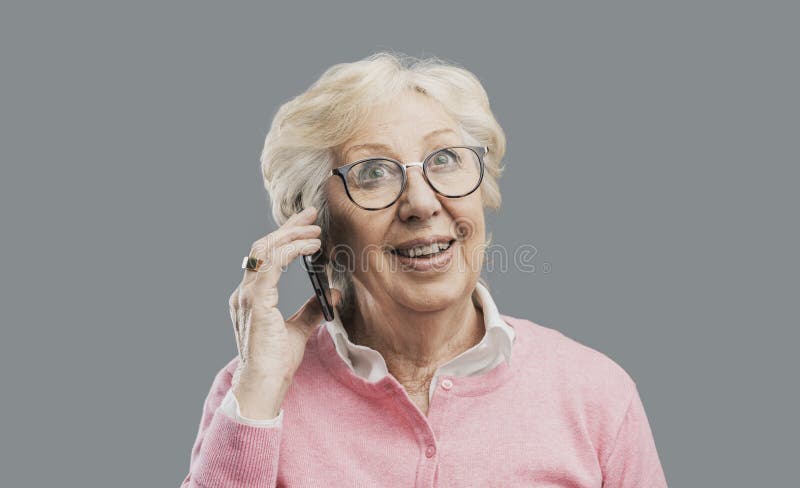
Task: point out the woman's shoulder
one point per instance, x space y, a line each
577 365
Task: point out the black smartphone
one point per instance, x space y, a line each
319 280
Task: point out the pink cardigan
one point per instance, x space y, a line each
560 414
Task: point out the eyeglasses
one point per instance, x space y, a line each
376 183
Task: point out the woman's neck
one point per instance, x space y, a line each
414 344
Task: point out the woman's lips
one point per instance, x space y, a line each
423 241
438 261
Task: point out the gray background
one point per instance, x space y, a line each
652 162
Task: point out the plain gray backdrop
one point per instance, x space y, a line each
652 163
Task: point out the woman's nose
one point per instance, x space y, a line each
419 201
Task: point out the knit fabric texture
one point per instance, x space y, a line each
559 414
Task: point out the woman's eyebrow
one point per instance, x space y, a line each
436 132
383 147
371 146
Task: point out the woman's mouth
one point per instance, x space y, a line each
435 255
425 250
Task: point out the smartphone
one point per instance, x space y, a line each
319 280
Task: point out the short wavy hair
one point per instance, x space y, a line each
307 134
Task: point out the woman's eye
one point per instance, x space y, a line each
444 158
375 172
372 172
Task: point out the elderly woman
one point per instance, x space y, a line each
383 169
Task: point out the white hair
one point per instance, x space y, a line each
306 135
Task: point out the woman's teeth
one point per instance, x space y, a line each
420 251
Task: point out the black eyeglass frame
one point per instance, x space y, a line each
341 172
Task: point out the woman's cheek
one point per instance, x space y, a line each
474 259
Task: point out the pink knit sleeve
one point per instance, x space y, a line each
634 462
229 454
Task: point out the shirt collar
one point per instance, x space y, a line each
497 341
494 323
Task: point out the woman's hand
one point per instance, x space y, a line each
271 348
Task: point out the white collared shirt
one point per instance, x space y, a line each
368 363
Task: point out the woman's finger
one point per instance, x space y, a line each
299 226
280 258
288 234
304 217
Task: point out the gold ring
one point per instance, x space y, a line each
252 263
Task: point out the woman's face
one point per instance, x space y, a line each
405 130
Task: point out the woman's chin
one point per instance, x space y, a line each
428 297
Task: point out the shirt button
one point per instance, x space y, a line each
447 384
430 451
